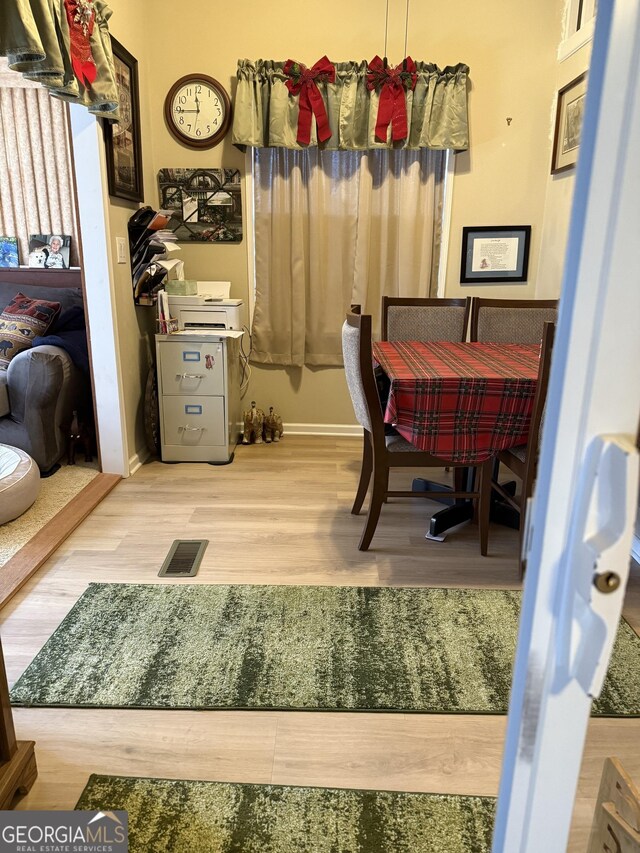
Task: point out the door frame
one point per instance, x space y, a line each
99 288
567 623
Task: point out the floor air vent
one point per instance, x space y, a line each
184 558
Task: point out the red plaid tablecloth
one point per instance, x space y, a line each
462 402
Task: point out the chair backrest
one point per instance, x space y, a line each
540 400
511 321
357 352
617 814
424 319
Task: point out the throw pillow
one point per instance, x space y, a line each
20 322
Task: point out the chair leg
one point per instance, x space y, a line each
527 491
522 566
365 474
378 492
521 562
484 504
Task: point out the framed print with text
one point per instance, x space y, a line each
122 138
569 112
494 253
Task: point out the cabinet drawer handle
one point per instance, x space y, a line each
192 429
190 376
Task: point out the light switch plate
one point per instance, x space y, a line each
121 248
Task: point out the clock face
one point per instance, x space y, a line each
198 111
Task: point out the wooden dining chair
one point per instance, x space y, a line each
380 452
616 820
523 460
409 319
511 321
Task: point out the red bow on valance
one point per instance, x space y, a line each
304 81
391 84
81 17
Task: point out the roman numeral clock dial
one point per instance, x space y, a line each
197 111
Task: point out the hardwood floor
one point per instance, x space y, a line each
279 514
37 550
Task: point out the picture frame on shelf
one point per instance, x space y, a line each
9 253
495 253
122 139
568 127
49 251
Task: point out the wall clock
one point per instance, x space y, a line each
198 111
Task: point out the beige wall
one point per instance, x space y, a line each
135 325
501 180
511 51
559 194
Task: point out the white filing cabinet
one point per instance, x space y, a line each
199 395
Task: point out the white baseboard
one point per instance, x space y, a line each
137 461
348 430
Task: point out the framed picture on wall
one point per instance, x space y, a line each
569 112
205 203
495 253
122 138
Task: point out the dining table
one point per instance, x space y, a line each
461 402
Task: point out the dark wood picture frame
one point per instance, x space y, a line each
568 127
130 146
489 268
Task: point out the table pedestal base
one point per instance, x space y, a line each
459 510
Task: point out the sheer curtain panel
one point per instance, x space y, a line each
334 228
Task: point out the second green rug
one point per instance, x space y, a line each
295 647
167 816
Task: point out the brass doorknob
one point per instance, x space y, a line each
607 582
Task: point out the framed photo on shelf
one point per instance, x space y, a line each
569 112
9 252
49 251
122 138
493 253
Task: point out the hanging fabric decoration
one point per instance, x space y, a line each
266 114
82 16
391 85
304 81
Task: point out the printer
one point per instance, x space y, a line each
209 308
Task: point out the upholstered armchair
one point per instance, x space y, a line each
40 388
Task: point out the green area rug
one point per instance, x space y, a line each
168 816
295 647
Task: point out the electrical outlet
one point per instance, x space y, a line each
121 249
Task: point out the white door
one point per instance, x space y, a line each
581 523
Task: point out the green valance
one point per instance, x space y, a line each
266 113
64 45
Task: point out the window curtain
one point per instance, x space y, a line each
36 185
336 228
64 45
266 114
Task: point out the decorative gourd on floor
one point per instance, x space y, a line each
253 425
273 429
